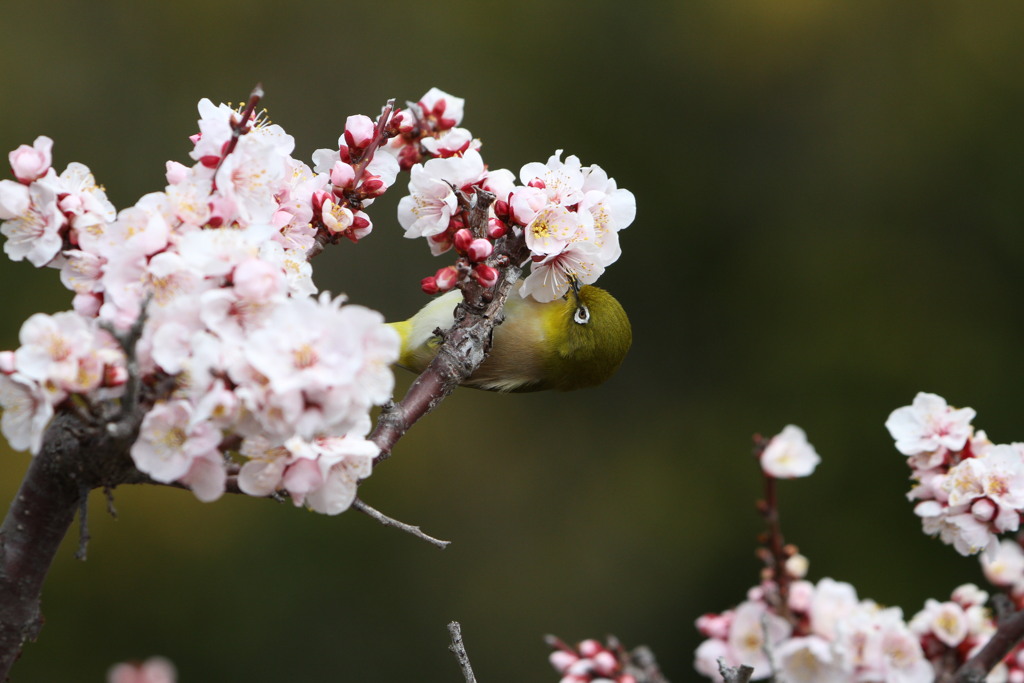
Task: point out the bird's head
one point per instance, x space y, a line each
590 335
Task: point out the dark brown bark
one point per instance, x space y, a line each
77 456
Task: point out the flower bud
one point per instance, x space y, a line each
605 663
446 278
984 510
87 304
176 172
462 240
429 285
30 163
342 174
590 647
114 375
797 565
6 362
359 131
496 228
485 275
479 249
501 209
562 660
373 187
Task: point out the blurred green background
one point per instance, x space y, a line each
829 221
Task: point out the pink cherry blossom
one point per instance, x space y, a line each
789 455
31 163
928 425
168 443
26 412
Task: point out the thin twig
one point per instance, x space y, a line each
389 521
239 127
459 649
775 545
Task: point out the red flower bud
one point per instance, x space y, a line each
501 209
429 285
479 249
463 238
373 187
495 228
485 275
446 278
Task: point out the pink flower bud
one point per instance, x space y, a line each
590 647
429 285
359 131
446 278
30 163
342 174
87 304
318 199
6 362
605 663
627 678
485 275
462 240
984 510
114 375
176 172
562 660
209 161
479 249
496 228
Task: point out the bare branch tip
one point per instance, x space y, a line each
402 526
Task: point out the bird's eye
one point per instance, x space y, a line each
582 315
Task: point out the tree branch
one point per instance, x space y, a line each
75 458
1009 633
389 521
459 649
465 345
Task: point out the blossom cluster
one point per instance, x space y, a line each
590 662
569 214
798 631
824 633
969 489
236 358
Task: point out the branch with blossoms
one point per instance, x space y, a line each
198 352
790 629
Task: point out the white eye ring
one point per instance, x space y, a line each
582 315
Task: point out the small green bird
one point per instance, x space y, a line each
569 343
